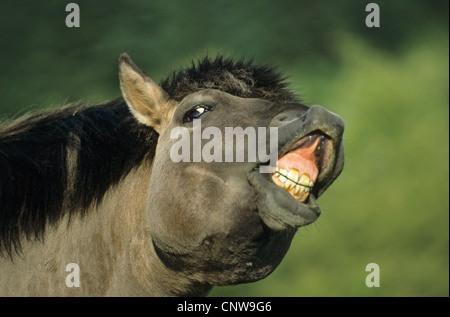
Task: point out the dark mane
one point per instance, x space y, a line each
34 173
107 143
240 78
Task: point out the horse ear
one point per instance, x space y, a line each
147 101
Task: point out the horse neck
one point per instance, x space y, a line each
119 248
148 275
112 246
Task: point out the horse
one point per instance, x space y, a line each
97 200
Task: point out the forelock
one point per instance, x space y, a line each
239 78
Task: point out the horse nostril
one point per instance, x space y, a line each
284 118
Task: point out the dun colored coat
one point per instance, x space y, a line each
93 204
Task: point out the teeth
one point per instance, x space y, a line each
293 174
297 189
289 184
290 179
304 180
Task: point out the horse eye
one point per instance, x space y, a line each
195 113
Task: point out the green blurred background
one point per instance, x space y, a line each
390 84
